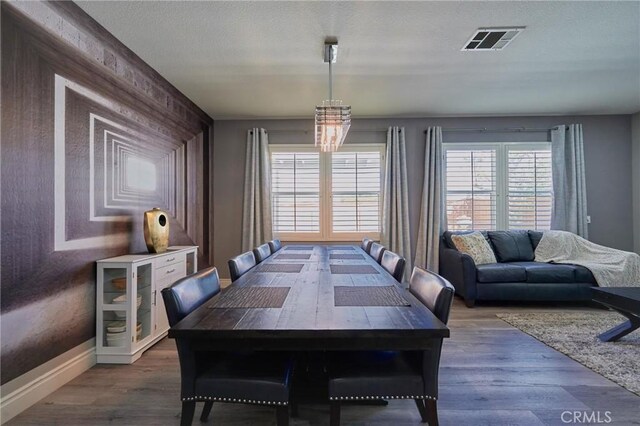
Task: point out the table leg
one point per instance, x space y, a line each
621 330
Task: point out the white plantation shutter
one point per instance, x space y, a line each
295 180
529 189
332 196
498 186
471 189
355 191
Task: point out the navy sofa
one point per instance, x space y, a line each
516 276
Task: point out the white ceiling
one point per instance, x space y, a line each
264 59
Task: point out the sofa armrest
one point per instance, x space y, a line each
460 270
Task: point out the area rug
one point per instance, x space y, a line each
575 334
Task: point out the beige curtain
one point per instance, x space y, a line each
256 212
432 214
395 198
569 187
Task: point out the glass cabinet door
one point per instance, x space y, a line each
144 302
115 311
191 263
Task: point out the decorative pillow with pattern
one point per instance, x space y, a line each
475 245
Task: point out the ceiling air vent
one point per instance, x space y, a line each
492 38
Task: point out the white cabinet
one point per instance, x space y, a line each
130 313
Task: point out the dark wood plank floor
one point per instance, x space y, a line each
491 374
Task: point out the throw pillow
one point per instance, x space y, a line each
475 246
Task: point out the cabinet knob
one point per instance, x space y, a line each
170 271
171 259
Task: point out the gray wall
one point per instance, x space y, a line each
607 154
635 138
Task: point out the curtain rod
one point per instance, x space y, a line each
307 131
503 130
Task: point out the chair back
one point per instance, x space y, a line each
435 292
376 250
275 245
394 264
366 244
187 294
262 252
240 264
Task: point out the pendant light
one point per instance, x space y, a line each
332 118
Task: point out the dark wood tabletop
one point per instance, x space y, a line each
308 318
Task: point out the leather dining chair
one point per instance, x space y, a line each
376 250
250 378
394 264
366 244
275 245
262 252
376 375
239 265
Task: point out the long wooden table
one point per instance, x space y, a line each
308 319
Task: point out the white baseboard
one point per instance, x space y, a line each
24 391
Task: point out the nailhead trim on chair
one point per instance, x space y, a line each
354 398
246 401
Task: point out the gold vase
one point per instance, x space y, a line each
156 230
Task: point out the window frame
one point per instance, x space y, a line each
326 233
502 170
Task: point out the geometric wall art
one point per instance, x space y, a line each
91 138
126 172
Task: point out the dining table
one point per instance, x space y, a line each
313 298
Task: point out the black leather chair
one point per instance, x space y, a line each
366 244
376 250
360 376
262 252
240 264
394 264
275 245
252 378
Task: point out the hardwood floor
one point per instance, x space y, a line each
490 374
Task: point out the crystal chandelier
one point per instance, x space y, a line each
332 118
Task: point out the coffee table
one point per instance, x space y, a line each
624 300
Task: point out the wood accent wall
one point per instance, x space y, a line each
91 137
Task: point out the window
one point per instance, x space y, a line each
295 183
326 196
498 186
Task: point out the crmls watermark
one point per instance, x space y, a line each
591 417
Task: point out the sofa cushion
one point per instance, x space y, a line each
584 275
511 246
476 246
446 236
535 237
539 272
501 273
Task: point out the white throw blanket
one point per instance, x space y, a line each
610 267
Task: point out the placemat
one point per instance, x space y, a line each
345 256
281 267
293 256
353 269
251 297
341 248
299 248
368 296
